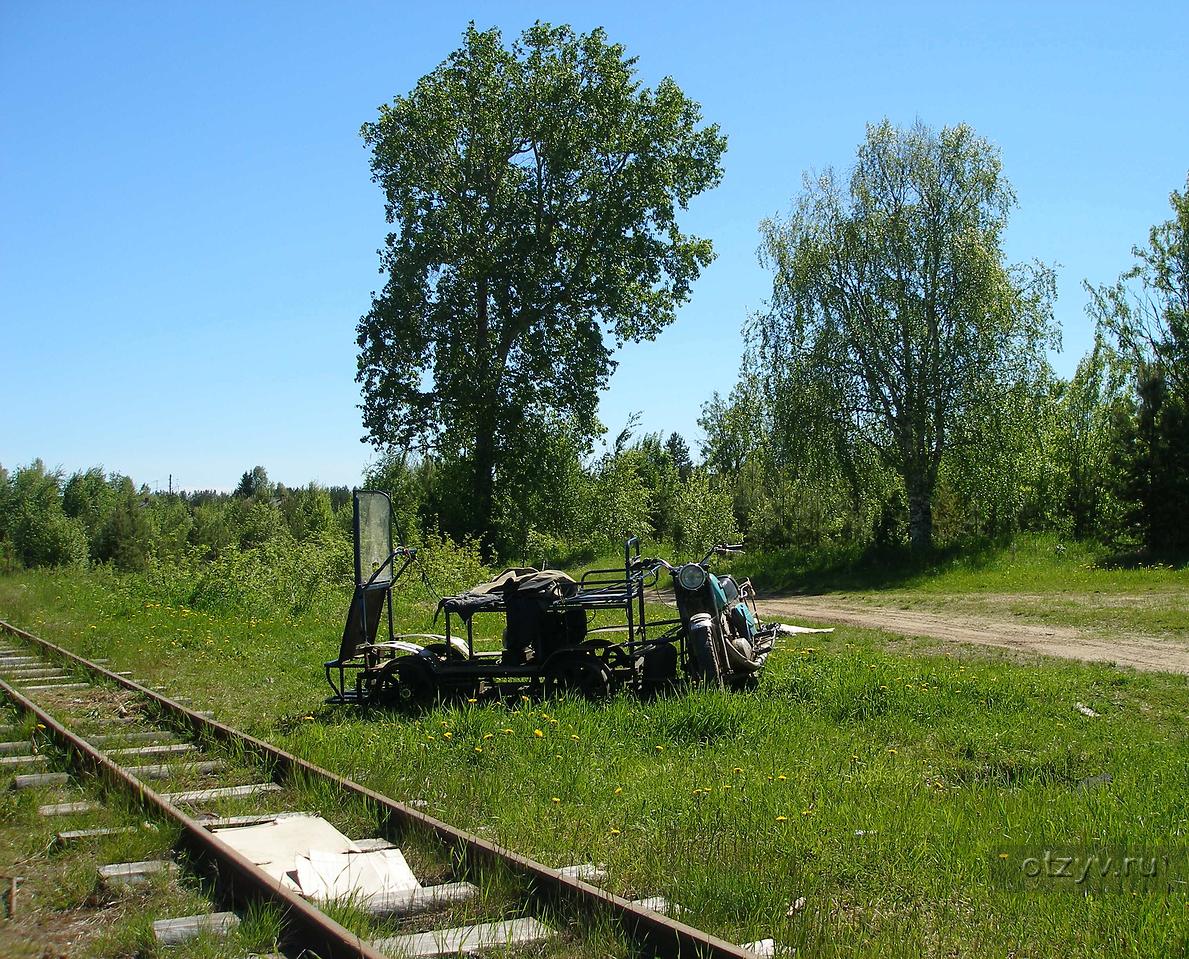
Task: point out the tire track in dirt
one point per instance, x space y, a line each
1067 642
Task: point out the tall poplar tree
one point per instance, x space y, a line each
534 189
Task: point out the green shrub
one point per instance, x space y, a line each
49 539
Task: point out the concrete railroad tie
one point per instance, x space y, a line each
135 873
465 940
173 932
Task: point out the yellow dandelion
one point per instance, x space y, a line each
892 751
618 790
472 700
538 733
508 732
478 749
555 800
614 831
660 749
782 818
488 735
806 812
783 778
447 735
737 769
1003 855
574 737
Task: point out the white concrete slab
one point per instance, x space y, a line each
341 875
275 844
371 845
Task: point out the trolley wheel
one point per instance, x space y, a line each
410 683
577 673
610 654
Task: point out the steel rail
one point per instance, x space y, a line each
664 935
243 879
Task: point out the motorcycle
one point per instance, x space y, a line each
725 644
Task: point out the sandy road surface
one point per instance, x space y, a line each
1126 649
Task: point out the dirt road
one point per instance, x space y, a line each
1166 654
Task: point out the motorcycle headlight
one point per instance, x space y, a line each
691 576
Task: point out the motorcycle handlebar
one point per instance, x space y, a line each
652 563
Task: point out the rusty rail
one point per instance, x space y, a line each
663 935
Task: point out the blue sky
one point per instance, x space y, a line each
188 228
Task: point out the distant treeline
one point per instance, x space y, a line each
645 486
49 519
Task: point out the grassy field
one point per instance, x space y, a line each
1031 562
867 800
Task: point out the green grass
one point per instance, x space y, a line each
880 787
1030 563
62 907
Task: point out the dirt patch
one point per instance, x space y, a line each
1138 651
53 936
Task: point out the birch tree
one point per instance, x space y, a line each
893 308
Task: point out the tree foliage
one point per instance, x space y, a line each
1145 315
895 323
1146 311
254 482
535 189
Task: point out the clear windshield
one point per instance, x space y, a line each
373 544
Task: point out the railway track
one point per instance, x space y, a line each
211 782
